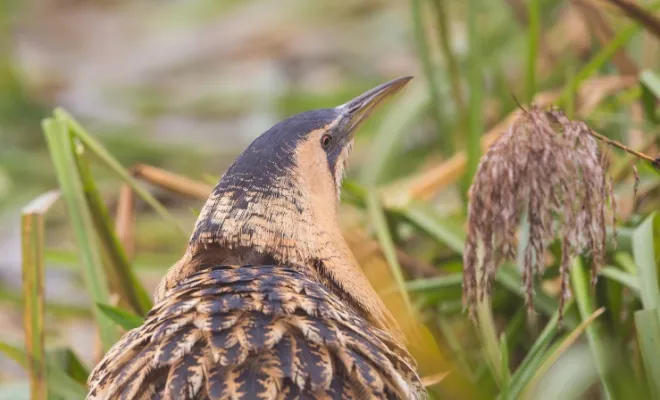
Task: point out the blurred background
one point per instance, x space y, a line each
186 85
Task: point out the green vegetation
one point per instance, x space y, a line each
411 195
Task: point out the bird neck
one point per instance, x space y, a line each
243 225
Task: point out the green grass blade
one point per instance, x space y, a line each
420 215
377 217
475 83
645 259
626 261
647 321
444 37
438 283
534 36
120 274
59 383
66 360
99 151
622 277
648 336
455 346
506 374
559 349
509 277
437 109
428 220
535 355
123 318
32 244
405 110
583 300
488 336
650 84
438 289
60 146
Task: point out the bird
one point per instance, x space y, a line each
268 301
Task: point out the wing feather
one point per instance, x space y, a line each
249 332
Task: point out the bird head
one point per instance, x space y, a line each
278 202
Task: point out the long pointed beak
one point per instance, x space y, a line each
358 109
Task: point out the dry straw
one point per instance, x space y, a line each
550 169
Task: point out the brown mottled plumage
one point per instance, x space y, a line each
268 301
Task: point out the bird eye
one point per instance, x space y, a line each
326 140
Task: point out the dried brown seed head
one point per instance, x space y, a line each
550 169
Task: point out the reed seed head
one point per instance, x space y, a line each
549 169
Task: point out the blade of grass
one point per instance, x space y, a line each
551 358
534 36
488 336
650 85
416 213
97 148
426 219
647 321
648 336
120 274
455 346
622 277
437 110
69 363
509 277
58 382
444 36
408 106
570 98
377 217
506 374
475 123
651 81
123 318
438 283
59 144
625 260
535 355
32 244
439 289
645 259
583 300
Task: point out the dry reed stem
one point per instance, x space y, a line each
432 380
32 244
172 182
125 220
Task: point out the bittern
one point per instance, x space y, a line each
268 301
